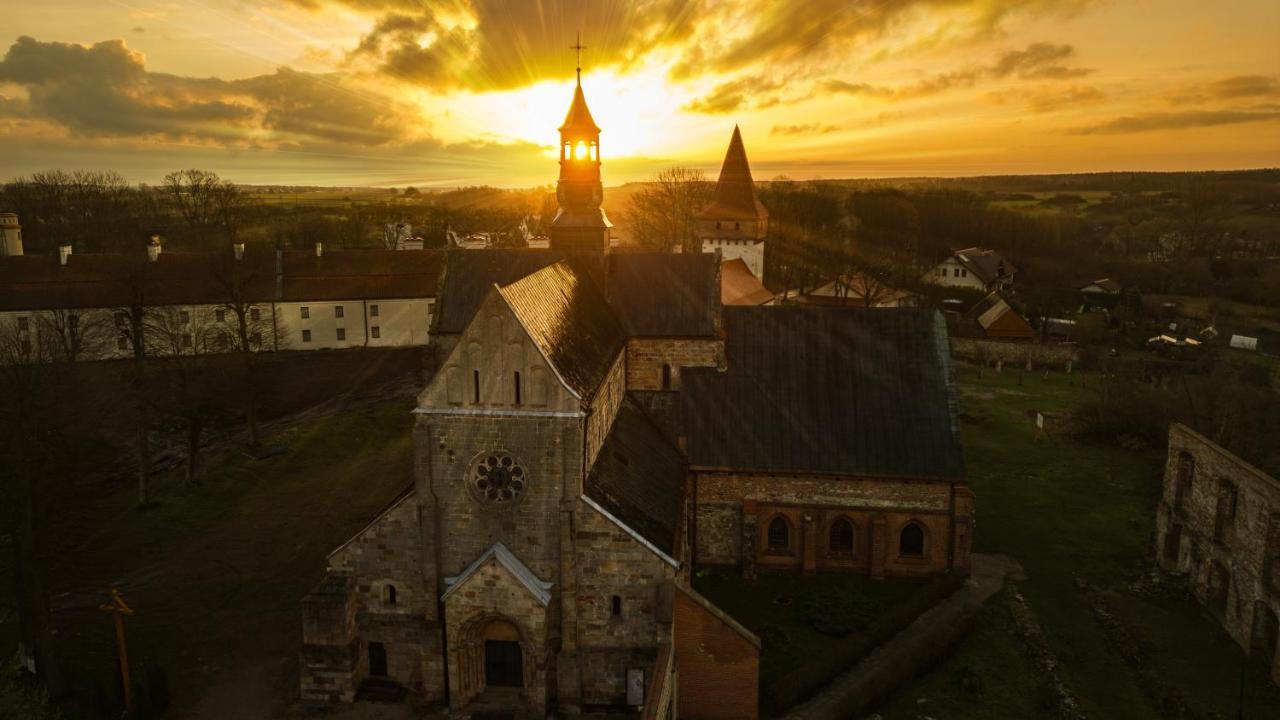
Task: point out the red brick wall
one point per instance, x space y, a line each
718 668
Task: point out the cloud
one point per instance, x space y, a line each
105 90
1147 122
484 45
1243 86
1046 98
757 90
1037 61
809 129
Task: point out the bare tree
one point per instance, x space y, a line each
29 447
208 204
183 337
661 215
72 335
130 319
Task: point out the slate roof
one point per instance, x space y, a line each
827 390
569 321
739 286
665 295
469 275
637 478
735 193
34 282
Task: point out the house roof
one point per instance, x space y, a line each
735 194
740 286
507 559
1106 285
35 282
828 390
663 294
986 265
637 478
469 275
567 318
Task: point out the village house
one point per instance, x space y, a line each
1102 294
973 269
600 425
994 318
1218 523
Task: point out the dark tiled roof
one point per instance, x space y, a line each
637 478
735 193
570 322
469 275
664 294
986 264
829 390
32 282
663 408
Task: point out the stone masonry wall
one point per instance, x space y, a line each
610 562
604 409
646 356
1218 522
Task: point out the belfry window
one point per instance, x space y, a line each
778 538
580 151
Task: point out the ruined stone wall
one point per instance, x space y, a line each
610 563
329 662
1218 522
646 356
1015 353
734 512
718 669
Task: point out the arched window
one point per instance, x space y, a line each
388 594
911 541
779 535
840 537
517 387
666 376
617 605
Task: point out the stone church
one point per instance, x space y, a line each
598 427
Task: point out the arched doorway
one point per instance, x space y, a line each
503 657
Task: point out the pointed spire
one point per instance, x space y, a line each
735 193
579 117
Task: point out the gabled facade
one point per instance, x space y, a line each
973 269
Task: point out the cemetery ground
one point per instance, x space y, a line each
215 571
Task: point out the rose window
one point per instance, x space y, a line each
497 478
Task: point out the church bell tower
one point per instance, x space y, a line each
580 227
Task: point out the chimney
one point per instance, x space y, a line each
319 249
153 248
238 249
64 252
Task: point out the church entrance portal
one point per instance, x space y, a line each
503 664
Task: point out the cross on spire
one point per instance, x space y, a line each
579 47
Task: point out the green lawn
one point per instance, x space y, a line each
1072 511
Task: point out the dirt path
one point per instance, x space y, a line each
911 651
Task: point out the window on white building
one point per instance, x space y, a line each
306 336
373 311
305 311
342 334
338 311
220 315
375 331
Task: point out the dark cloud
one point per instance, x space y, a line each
1038 60
1177 121
106 90
1046 98
808 129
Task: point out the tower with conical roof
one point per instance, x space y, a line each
580 227
735 222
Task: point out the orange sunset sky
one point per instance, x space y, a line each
445 93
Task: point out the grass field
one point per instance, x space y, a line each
1070 511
